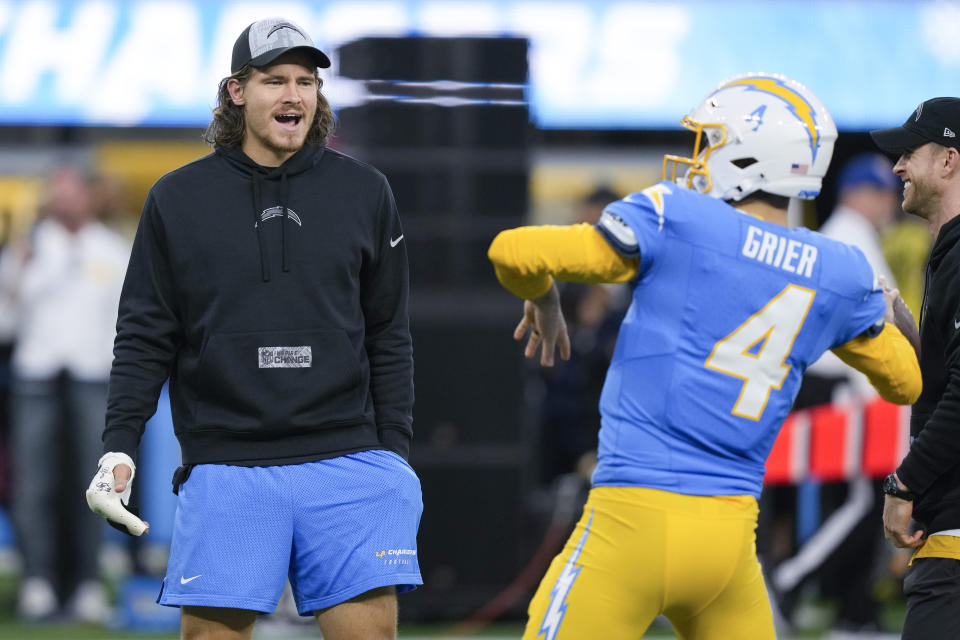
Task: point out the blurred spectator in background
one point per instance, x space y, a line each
61 287
868 201
111 204
847 548
906 245
568 411
6 350
593 204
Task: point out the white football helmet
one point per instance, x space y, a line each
757 132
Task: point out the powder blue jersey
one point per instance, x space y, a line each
727 312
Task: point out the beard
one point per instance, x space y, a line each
266 135
281 143
922 200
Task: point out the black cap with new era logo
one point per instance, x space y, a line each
936 120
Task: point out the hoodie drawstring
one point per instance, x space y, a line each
258 225
284 196
303 160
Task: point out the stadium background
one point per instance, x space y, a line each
484 115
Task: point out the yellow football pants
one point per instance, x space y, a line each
637 553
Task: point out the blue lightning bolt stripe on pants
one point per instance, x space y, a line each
561 589
638 553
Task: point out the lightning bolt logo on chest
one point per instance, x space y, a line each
550 626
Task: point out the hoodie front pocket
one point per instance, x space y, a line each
288 380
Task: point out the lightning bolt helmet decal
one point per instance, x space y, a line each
798 105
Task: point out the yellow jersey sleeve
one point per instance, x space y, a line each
527 259
888 361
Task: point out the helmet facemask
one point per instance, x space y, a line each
708 138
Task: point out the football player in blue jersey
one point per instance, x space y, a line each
729 307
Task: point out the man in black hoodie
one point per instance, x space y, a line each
926 486
268 281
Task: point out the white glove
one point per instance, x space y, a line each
105 501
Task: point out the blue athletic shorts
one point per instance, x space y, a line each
336 528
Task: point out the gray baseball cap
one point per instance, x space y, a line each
266 40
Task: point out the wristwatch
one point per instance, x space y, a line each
891 488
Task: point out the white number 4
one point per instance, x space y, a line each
757 350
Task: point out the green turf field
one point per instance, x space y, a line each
10 630
13 631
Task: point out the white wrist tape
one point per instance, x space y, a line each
105 501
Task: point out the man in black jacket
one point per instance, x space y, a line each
926 486
268 281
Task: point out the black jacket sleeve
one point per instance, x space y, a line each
384 298
148 334
936 449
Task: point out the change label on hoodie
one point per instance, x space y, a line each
285 357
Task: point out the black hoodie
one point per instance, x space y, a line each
932 468
275 300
